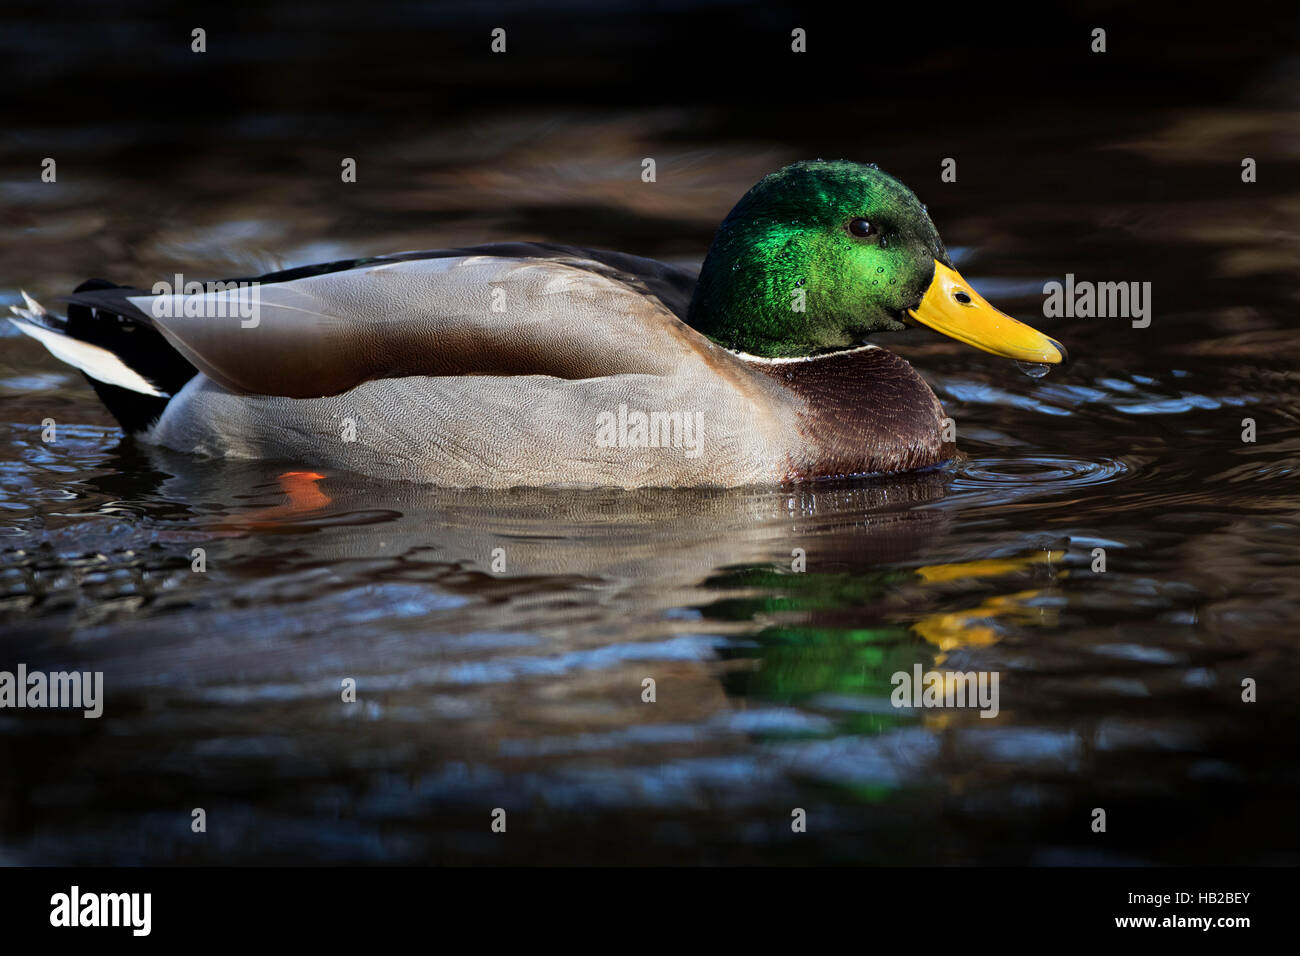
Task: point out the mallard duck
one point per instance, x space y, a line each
536 364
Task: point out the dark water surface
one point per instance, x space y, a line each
522 690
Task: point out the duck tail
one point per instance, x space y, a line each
133 369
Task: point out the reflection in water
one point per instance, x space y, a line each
950 630
521 687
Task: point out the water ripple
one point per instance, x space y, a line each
1030 472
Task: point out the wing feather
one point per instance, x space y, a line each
478 314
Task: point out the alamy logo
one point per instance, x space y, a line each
208 300
946 689
73 689
75 908
637 429
1085 300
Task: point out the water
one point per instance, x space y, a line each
522 688
1034 369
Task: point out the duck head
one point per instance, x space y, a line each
819 255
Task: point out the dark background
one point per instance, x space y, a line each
116 84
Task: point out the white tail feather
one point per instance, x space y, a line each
99 363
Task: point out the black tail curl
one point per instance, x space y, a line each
99 313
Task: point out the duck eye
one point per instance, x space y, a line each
861 228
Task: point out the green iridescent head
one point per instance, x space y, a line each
813 258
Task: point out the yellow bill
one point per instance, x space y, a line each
950 306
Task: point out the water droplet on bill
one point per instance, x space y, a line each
1034 369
